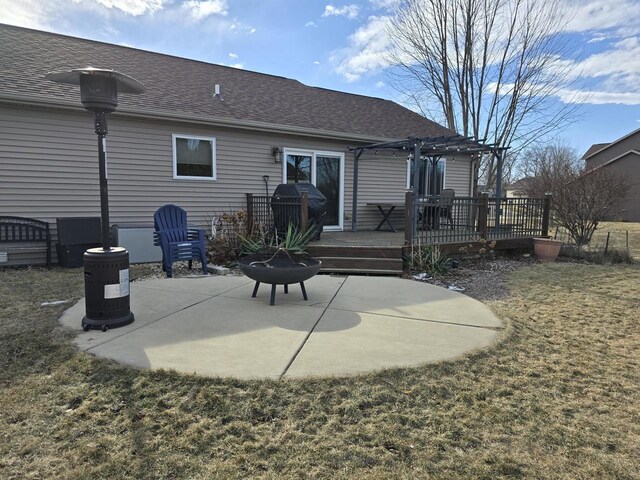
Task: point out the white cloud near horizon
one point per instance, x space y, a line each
349 11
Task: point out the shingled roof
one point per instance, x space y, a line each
596 147
178 86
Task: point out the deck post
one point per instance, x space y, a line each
483 213
408 218
304 212
417 149
249 220
354 206
500 160
546 212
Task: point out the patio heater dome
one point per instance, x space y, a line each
106 269
99 87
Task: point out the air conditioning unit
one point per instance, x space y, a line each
138 240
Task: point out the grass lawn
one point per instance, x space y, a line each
558 397
618 235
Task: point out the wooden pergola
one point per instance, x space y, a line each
433 149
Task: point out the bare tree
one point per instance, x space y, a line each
581 200
487 68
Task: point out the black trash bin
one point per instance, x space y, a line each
285 213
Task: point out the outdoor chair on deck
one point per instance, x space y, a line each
436 208
446 204
176 239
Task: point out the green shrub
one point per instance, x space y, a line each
428 259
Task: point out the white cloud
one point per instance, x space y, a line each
316 62
602 14
380 84
134 7
233 55
384 4
367 51
237 65
310 24
200 10
618 68
239 27
600 98
28 13
349 11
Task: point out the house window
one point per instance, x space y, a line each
424 181
194 158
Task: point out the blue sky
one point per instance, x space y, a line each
342 45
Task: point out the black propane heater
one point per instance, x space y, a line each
106 269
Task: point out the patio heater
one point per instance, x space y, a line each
106 269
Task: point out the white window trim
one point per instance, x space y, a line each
213 157
444 173
313 154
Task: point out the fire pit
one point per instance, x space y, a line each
279 268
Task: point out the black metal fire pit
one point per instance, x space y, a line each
279 268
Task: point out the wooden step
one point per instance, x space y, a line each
361 265
383 260
355 252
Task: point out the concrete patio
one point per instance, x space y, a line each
211 326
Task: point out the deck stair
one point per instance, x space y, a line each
374 260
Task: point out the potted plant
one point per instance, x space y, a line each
546 249
282 261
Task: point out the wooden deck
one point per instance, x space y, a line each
366 252
380 253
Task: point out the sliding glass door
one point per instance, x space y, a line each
325 170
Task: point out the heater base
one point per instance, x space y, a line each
105 324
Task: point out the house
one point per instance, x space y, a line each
519 188
181 143
622 157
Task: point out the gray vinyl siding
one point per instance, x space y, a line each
49 169
458 175
628 210
627 165
616 149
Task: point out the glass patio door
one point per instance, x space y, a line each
325 170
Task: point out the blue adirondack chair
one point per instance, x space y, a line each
176 239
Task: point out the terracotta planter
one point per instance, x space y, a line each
546 249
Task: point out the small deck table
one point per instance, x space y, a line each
385 209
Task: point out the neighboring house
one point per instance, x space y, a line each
622 157
519 188
179 143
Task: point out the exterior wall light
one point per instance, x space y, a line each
277 154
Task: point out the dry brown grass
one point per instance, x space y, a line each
619 235
557 398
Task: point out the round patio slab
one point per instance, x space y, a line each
211 326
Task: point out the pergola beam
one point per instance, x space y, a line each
433 148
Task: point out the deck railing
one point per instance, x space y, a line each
440 220
276 213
